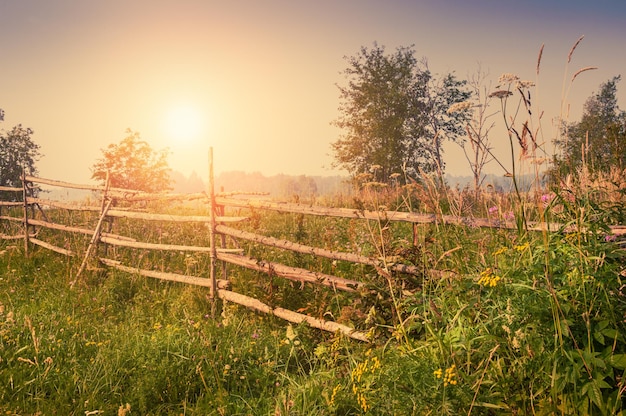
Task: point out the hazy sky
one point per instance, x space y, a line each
263 74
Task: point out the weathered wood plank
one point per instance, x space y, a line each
301 248
166 247
291 316
172 277
51 247
291 273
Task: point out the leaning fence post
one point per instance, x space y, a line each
213 252
106 204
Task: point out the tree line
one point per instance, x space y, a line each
394 116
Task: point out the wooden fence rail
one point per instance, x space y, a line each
215 223
224 255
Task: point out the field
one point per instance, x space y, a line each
502 321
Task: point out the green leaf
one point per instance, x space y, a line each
618 361
598 337
611 333
592 390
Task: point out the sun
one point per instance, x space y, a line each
184 124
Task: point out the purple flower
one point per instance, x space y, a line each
610 237
546 198
509 215
255 335
493 209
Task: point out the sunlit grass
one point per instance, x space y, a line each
510 323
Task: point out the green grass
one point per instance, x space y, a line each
514 323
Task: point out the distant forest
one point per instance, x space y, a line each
279 186
288 186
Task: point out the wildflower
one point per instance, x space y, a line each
493 209
524 84
363 402
488 278
459 107
515 343
123 410
500 94
290 333
334 394
255 335
522 247
499 251
507 78
610 237
438 373
509 215
450 376
320 350
546 197
374 168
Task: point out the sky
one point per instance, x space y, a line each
257 81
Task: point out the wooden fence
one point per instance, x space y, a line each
33 217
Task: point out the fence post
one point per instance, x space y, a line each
222 240
213 253
25 205
106 204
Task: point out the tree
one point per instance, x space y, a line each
477 146
393 114
598 141
18 155
442 95
300 187
132 164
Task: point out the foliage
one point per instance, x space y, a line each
598 141
133 164
18 154
504 324
394 114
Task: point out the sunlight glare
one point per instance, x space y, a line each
184 124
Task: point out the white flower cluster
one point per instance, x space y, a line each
524 84
508 78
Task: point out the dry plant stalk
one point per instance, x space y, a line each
571 52
587 68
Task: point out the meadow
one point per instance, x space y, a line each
502 321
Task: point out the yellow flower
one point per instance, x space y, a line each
488 278
499 251
450 376
334 394
522 247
